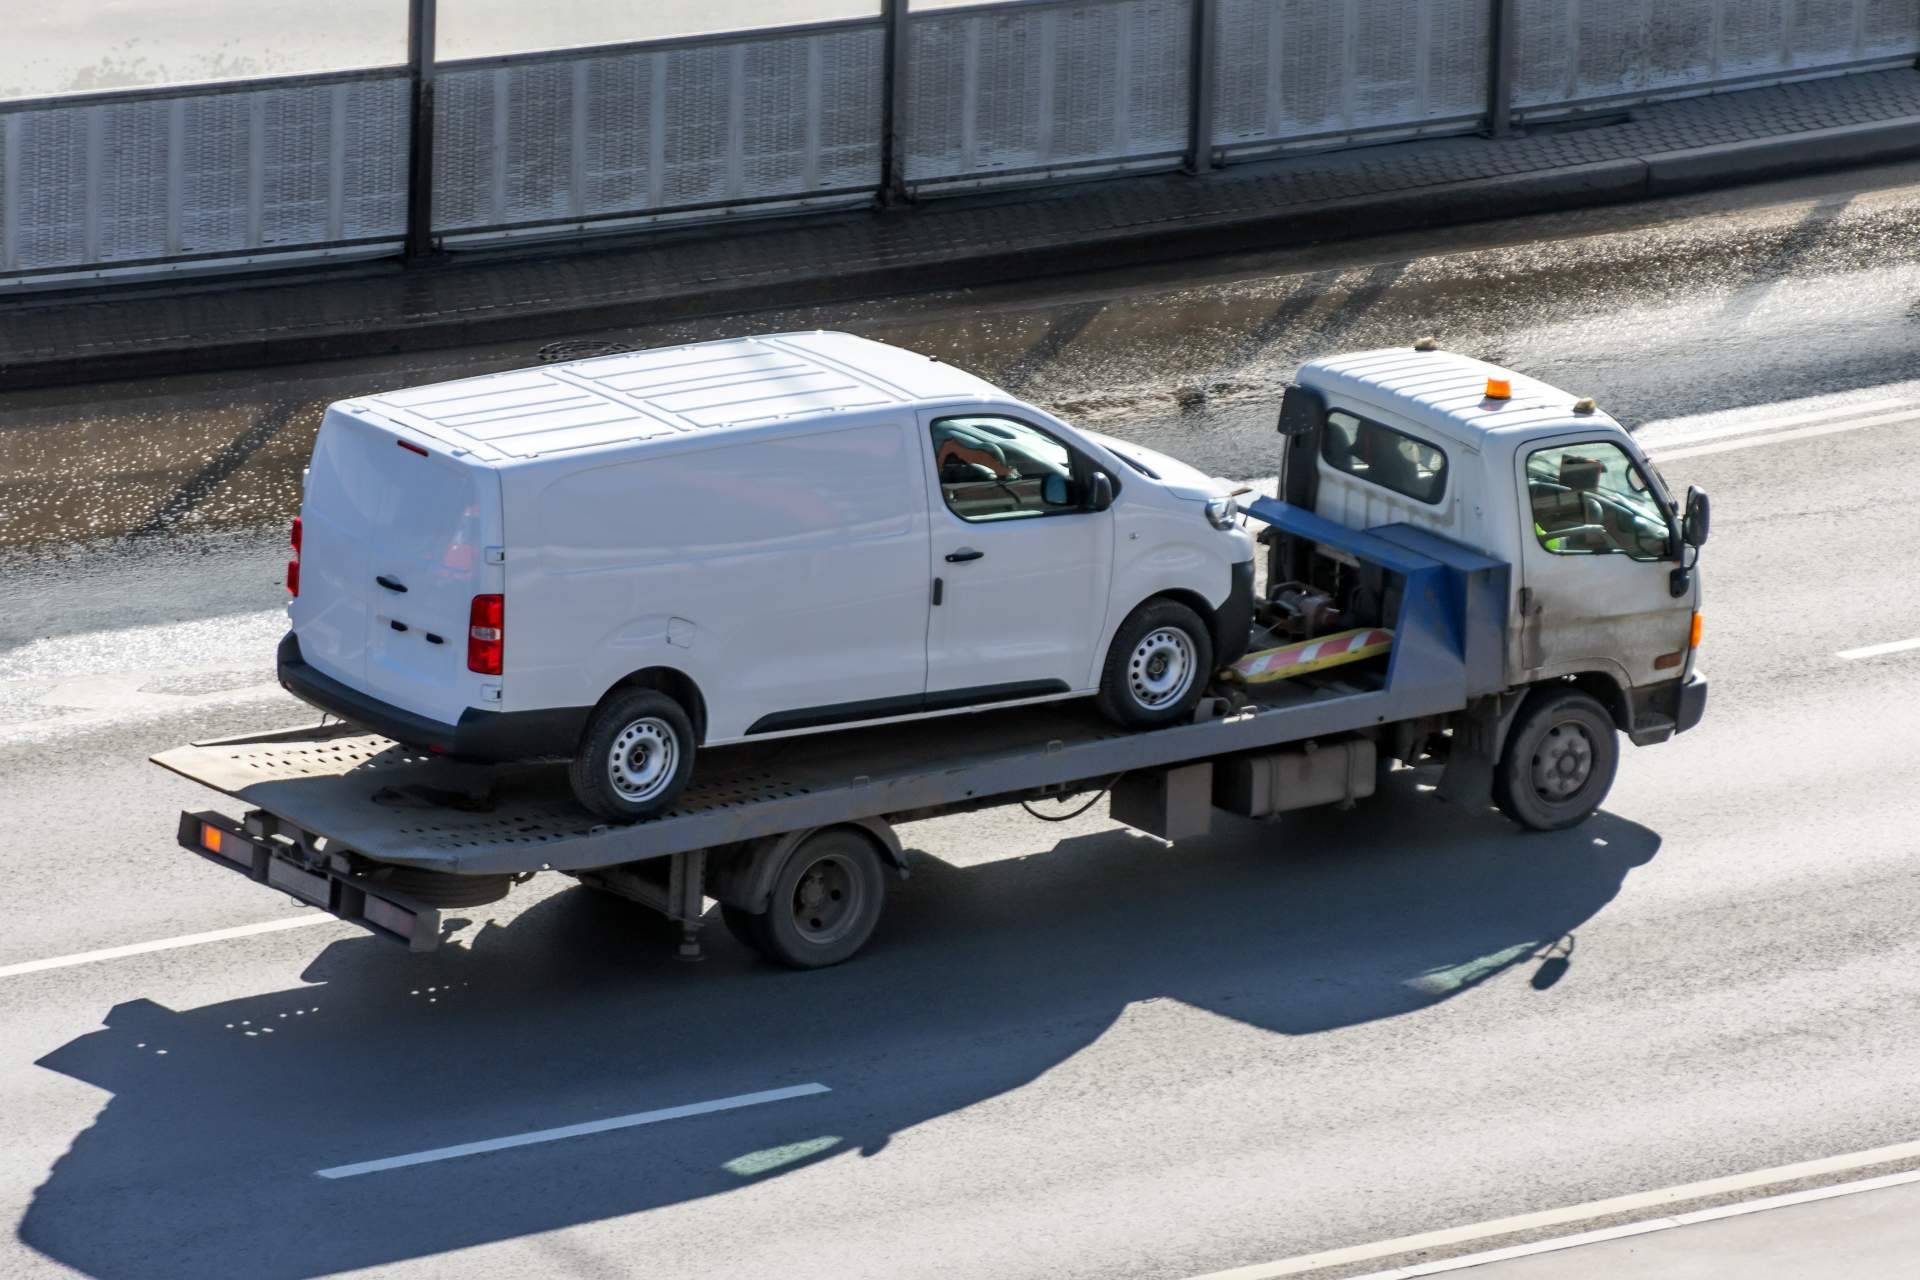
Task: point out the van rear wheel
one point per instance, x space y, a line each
635 757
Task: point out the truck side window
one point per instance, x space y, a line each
1380 455
993 468
1592 499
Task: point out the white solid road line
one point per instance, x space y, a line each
574 1130
1763 433
1626 1230
1596 1209
1876 650
163 944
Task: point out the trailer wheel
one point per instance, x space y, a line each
826 899
635 757
1559 761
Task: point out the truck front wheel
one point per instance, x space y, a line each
1559 761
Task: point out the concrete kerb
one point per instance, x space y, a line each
1480 199
1674 172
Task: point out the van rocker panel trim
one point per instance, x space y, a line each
905 705
490 736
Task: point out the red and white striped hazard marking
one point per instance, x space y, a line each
1312 655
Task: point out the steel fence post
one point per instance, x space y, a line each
420 59
893 102
1500 45
1200 84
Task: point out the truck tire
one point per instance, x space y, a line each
826 900
1558 762
1157 667
635 756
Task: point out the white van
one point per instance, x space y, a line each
627 559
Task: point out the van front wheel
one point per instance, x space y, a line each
635 757
1158 666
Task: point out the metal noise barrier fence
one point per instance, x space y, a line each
204 174
637 131
97 185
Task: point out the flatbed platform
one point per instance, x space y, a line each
398 806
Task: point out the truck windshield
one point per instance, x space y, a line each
1592 499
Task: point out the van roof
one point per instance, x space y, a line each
670 393
1448 390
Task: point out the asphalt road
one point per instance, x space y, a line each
1070 1051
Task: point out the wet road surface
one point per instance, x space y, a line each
1107 1060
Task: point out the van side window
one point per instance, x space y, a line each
1591 499
993 468
1380 455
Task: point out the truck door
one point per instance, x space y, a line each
1597 554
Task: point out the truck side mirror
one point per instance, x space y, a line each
1698 519
1100 492
1302 410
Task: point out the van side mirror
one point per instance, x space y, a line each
1698 520
1054 491
1100 492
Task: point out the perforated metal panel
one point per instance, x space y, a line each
1596 51
652 128
1028 87
1302 70
131 177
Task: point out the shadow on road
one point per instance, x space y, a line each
980 980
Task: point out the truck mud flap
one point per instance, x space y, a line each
226 843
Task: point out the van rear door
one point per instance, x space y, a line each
394 531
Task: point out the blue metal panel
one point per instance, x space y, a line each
1449 640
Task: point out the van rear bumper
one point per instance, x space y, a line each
491 736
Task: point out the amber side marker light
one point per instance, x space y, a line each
1693 637
1499 389
210 837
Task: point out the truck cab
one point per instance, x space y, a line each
1604 591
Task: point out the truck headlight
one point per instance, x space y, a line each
1222 513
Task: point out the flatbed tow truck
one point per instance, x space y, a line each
796 845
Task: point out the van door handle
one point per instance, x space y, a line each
963 555
391 584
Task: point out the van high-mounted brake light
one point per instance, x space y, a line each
486 634
411 447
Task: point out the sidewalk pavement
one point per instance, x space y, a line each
1661 149
1869 1235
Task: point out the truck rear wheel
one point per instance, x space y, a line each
826 900
1559 761
635 757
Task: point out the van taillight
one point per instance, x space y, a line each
293 565
486 634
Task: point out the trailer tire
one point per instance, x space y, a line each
1558 762
1157 667
652 736
826 900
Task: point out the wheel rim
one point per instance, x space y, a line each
1160 669
641 762
826 900
1563 762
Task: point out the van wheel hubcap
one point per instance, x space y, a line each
642 760
827 900
1563 762
1160 670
